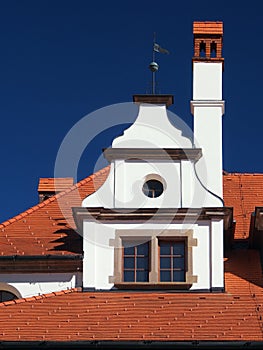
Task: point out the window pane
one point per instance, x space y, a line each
165 263
152 188
142 249
129 263
6 296
165 248
129 276
165 275
178 276
178 248
178 263
129 250
142 276
142 263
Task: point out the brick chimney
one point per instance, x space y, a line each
48 187
208 41
207 105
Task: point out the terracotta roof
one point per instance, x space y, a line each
208 27
44 229
244 193
47 184
73 315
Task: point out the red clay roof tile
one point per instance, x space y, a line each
243 192
72 315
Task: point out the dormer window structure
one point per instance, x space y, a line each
154 224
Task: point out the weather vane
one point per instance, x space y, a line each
153 65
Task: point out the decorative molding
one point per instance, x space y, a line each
207 103
173 154
155 214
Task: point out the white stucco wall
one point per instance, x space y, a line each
123 187
130 177
207 108
208 135
98 260
217 252
98 264
104 196
40 283
207 81
152 128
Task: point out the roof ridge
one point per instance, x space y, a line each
238 174
53 198
38 297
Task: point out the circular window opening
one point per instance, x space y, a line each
152 188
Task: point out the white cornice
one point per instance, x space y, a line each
207 103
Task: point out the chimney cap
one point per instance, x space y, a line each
208 27
54 185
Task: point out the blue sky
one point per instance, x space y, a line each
61 60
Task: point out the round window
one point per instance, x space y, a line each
152 188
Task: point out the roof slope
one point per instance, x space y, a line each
46 229
71 316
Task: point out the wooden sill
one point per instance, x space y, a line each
151 285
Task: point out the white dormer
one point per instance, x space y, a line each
158 221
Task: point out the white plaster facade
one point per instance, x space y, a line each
98 261
207 108
187 184
29 284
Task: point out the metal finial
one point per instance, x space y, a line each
153 65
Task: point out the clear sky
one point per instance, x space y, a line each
62 59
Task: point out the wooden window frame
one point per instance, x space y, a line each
153 236
170 240
135 256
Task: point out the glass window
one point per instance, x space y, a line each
172 261
135 261
152 188
6 296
